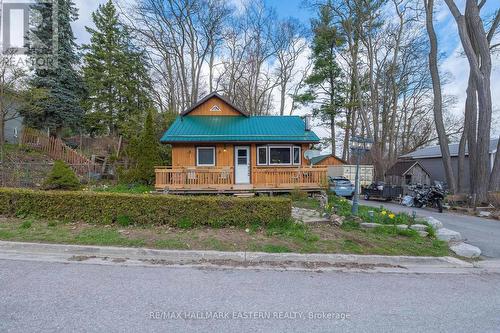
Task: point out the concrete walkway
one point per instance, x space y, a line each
481 232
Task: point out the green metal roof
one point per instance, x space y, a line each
319 158
238 129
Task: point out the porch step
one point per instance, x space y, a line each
244 194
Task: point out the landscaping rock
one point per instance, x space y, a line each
483 213
336 220
418 227
435 223
448 235
402 226
423 233
466 250
308 216
369 225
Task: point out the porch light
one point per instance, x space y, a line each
359 146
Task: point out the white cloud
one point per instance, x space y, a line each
457 65
85 9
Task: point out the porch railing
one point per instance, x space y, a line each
299 177
193 178
223 178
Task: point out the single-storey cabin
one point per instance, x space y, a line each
216 147
327 159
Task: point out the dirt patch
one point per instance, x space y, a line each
81 258
274 264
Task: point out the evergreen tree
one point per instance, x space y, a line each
145 151
60 106
325 87
116 77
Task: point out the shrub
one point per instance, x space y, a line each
123 220
26 224
61 177
96 207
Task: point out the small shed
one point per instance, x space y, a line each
407 172
327 159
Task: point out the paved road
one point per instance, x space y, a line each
481 232
76 297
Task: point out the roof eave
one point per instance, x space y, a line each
206 98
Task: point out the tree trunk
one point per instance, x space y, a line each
438 102
495 173
476 46
332 129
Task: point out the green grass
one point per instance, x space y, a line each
26 224
274 237
171 244
100 236
292 230
304 202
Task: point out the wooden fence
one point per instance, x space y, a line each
56 149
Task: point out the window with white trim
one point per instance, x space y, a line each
205 156
262 155
296 155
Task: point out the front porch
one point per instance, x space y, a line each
221 179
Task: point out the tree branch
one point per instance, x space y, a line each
494 26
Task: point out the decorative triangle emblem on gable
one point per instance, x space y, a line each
215 108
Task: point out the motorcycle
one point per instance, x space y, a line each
428 196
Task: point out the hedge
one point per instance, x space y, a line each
98 207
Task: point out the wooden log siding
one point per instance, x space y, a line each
223 178
57 150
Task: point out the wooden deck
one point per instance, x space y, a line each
221 180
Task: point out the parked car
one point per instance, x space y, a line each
341 186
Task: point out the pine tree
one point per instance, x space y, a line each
145 151
325 87
60 105
115 75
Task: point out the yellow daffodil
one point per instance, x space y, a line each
383 212
391 216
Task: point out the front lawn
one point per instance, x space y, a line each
287 237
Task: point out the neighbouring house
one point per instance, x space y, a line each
407 172
216 147
431 159
13 128
327 159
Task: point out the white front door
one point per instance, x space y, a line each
242 164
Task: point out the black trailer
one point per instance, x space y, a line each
382 191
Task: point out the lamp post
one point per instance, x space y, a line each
359 146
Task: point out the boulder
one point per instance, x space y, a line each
435 223
418 227
369 225
402 226
336 220
448 235
466 250
423 233
483 213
